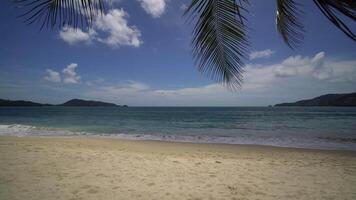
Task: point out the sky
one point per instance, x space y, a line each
138 53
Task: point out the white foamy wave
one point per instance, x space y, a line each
16 129
311 143
26 130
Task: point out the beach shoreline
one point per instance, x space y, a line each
102 168
162 140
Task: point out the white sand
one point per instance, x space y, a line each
80 168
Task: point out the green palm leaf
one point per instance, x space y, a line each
288 22
50 13
219 41
346 7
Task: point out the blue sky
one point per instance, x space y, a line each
139 54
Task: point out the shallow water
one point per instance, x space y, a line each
309 127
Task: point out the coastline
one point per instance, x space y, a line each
341 143
101 168
151 140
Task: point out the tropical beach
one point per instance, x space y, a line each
88 168
177 100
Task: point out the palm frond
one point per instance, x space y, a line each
288 22
49 13
219 39
346 7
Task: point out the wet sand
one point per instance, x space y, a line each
86 168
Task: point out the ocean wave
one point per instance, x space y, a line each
27 130
295 142
340 139
16 129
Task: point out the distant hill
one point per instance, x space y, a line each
4 102
326 100
73 102
80 102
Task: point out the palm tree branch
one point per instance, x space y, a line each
219 39
346 7
288 22
50 13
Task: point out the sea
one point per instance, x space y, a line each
300 127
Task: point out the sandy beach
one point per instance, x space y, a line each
86 168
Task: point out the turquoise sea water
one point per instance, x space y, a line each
310 127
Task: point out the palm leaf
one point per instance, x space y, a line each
219 39
288 22
50 13
346 7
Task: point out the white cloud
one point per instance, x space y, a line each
132 87
289 67
261 54
137 93
193 91
183 7
120 33
292 79
113 24
52 76
112 2
70 76
282 71
89 83
297 68
154 7
73 36
321 70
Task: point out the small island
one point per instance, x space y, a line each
326 100
70 103
86 103
9 103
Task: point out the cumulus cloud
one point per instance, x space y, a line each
129 88
261 54
113 2
113 25
289 67
139 93
183 7
192 91
154 7
321 70
52 76
120 33
317 69
134 88
76 35
263 85
70 75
